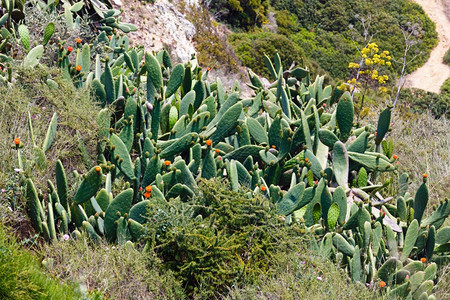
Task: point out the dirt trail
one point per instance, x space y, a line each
434 72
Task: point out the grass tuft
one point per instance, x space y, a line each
22 276
118 272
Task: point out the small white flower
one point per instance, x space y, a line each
3 190
18 170
319 278
66 237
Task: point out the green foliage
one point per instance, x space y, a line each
420 101
219 238
330 23
22 276
251 47
212 49
287 23
244 14
447 57
301 273
330 50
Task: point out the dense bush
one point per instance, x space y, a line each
212 48
251 47
417 100
447 57
219 239
241 13
332 51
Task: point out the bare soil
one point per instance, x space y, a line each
434 72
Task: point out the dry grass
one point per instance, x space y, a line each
76 113
120 272
30 94
305 275
422 144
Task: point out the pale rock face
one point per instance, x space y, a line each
176 31
161 25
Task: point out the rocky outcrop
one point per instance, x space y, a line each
161 25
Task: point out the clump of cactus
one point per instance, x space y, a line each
165 126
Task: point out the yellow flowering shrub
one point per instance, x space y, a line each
367 72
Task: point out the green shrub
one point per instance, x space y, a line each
251 47
22 276
445 88
447 57
212 50
287 23
417 100
244 14
220 239
332 51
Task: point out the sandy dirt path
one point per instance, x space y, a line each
434 72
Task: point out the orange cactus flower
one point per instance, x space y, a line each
217 151
423 260
148 188
208 69
97 169
70 49
263 188
274 147
209 142
78 41
382 284
425 175
395 156
78 68
17 141
167 163
147 195
306 160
